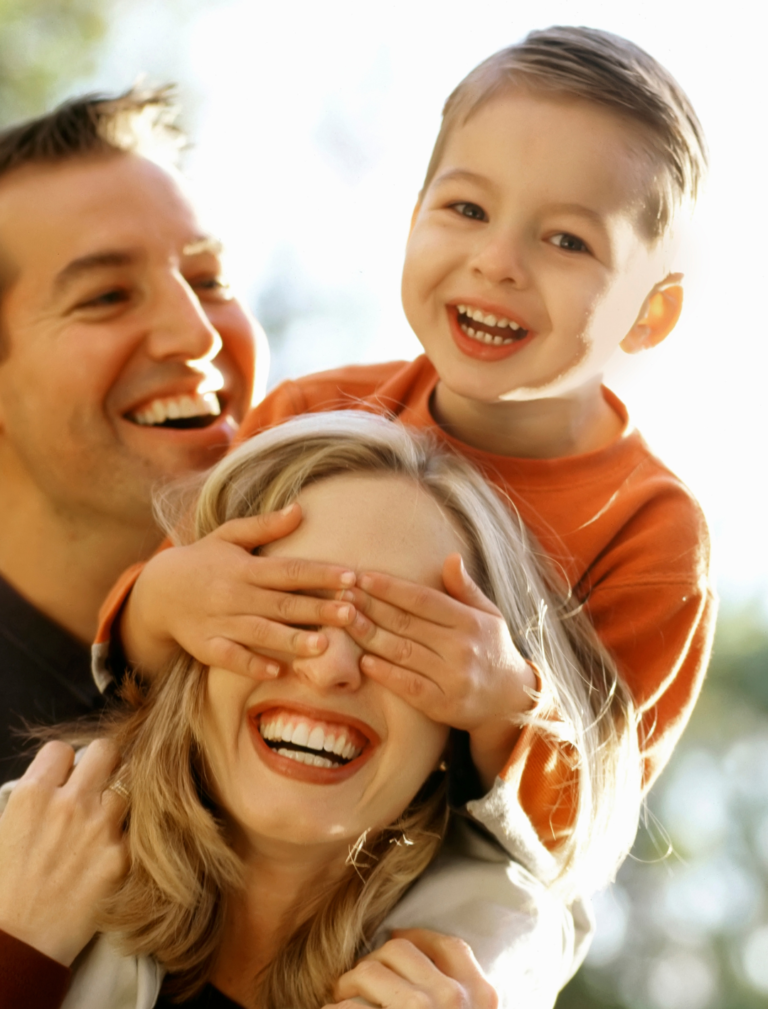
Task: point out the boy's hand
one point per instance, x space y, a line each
219 602
451 656
417 969
62 850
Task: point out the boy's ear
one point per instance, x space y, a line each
414 215
658 316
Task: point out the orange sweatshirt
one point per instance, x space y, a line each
629 536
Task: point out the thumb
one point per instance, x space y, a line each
256 530
461 586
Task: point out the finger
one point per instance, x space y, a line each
94 767
407 624
228 654
264 636
293 573
454 958
377 983
257 530
399 974
416 690
400 651
297 608
52 764
463 588
420 600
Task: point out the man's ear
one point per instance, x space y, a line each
658 316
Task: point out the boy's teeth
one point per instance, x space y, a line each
177 407
498 322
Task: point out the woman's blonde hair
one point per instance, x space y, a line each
183 868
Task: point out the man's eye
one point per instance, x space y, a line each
569 242
211 285
470 210
112 297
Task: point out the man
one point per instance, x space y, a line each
124 361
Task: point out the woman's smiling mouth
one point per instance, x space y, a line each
296 741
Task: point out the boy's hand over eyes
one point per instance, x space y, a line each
451 656
218 601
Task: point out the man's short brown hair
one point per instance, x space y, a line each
608 70
139 121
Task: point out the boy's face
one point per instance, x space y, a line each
532 218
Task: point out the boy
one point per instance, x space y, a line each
541 241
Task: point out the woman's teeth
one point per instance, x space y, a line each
484 322
313 744
178 408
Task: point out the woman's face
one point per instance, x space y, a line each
323 753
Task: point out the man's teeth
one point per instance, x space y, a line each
318 738
178 408
485 319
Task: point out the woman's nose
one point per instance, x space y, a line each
337 668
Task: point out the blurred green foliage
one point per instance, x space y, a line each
686 925
43 45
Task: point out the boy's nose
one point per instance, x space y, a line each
498 258
338 668
179 328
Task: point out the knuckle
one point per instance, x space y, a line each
401 621
259 631
286 606
294 570
402 651
413 686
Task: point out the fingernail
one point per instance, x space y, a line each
288 508
366 663
346 595
273 669
315 642
348 578
360 621
365 582
345 612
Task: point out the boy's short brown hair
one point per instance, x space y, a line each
608 70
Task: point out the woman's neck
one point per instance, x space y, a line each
259 919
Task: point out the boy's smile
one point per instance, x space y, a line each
527 264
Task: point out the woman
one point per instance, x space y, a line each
274 826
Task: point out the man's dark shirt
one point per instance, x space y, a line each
45 677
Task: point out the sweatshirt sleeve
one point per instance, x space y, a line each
28 978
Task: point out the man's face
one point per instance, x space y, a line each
128 359
526 265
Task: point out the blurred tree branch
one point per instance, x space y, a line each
42 44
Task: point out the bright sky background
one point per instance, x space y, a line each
313 124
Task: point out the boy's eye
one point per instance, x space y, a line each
470 210
568 242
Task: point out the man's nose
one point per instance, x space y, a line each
178 328
338 668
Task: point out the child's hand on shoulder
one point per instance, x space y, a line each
225 606
449 655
